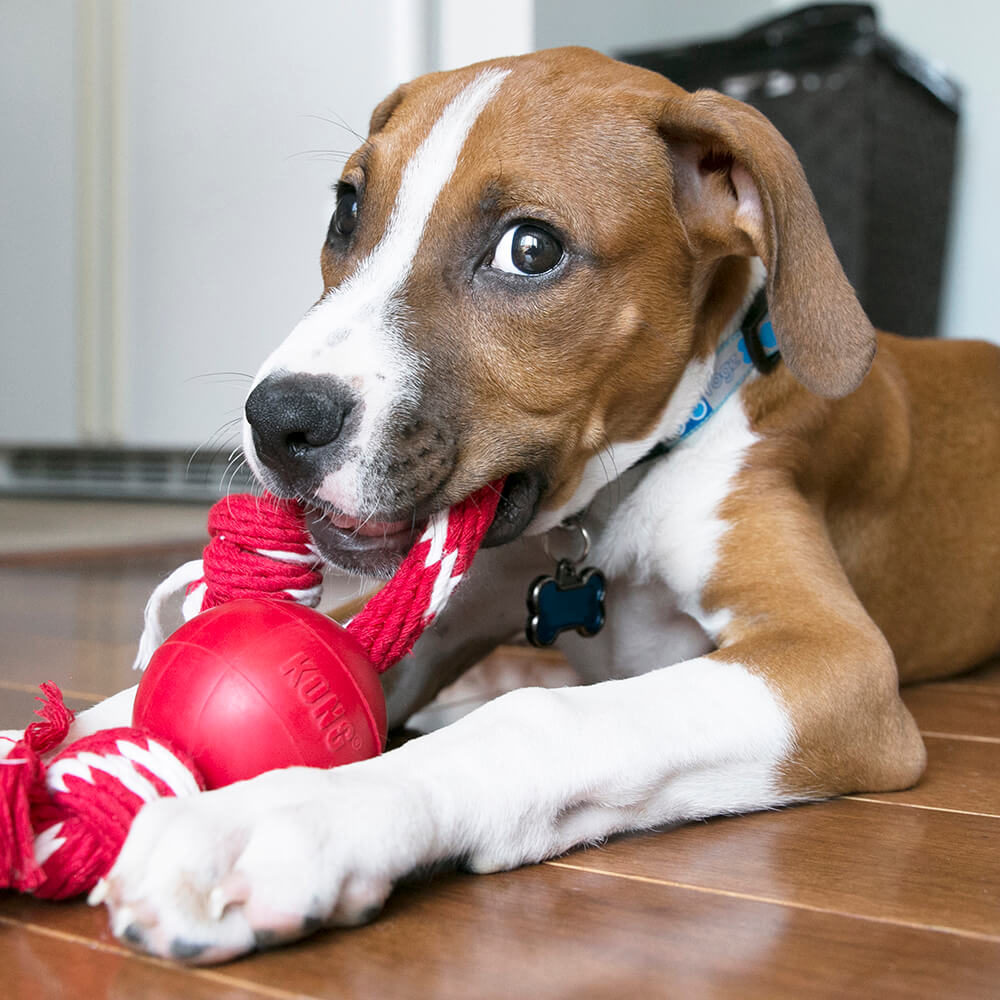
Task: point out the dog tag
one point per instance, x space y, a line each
571 599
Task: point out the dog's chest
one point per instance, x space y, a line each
659 546
645 629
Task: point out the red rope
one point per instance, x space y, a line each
252 537
78 809
392 621
63 823
22 785
244 558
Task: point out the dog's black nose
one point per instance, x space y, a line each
296 420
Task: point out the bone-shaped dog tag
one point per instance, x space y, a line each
568 600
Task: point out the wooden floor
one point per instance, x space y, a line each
874 896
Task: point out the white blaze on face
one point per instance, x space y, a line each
354 331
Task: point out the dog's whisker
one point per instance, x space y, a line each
233 461
233 467
234 376
493 489
603 456
340 122
215 440
617 480
309 505
332 155
361 524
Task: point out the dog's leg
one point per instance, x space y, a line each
524 778
801 701
487 610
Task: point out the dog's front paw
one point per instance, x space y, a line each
260 863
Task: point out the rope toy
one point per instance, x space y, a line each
63 820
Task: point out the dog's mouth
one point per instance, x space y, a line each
369 528
522 493
375 547
365 546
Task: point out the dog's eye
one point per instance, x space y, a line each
345 215
527 249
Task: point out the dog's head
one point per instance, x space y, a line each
524 257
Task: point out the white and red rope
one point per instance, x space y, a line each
392 620
259 547
62 822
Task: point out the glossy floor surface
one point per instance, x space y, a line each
874 896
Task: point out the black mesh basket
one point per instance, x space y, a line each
874 126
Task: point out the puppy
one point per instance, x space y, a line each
544 268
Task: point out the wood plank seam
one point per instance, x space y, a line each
791 904
920 805
94 944
931 734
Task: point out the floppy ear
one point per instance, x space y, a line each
739 189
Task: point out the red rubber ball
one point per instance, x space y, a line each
254 685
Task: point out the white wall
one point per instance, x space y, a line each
234 116
166 188
229 199
166 182
623 24
162 211
38 231
464 32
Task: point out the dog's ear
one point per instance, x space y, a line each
739 189
384 111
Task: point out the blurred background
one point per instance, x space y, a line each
167 168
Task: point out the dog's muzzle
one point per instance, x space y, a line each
300 426
304 428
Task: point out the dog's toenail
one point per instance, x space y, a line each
184 951
134 935
367 915
265 939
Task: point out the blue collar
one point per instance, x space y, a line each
753 347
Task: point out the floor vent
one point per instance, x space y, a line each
147 474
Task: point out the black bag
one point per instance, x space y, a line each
874 126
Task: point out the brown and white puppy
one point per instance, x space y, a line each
530 266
